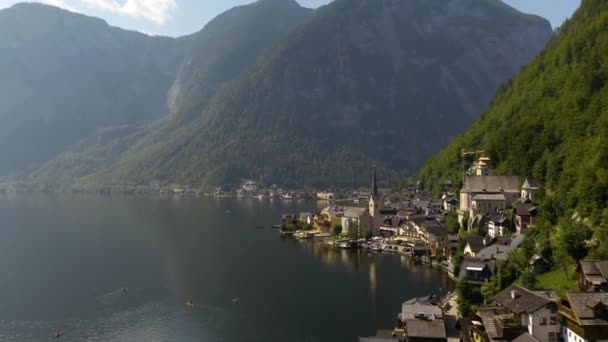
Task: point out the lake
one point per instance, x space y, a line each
64 260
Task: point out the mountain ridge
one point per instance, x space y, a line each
320 95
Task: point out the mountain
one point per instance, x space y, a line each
550 122
65 75
227 46
223 50
389 81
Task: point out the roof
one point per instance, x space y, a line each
489 197
420 306
491 184
499 218
425 329
525 300
525 209
487 315
525 337
436 228
476 243
354 212
583 305
532 184
594 268
476 264
495 251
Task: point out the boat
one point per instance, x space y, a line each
300 234
287 197
276 226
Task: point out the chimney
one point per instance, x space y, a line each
513 294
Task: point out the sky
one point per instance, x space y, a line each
180 17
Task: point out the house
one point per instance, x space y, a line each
477 271
535 310
525 337
449 202
499 225
585 316
435 235
475 243
495 252
421 308
593 275
325 196
422 320
496 324
539 264
525 216
530 188
494 192
417 330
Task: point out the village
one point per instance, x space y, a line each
495 212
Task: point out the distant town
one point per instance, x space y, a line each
470 236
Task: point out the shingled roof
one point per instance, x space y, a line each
584 305
519 299
425 329
476 243
495 184
594 268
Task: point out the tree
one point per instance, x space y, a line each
528 279
572 237
451 221
337 229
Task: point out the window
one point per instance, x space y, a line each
553 320
543 321
551 337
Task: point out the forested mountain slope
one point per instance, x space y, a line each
388 80
551 121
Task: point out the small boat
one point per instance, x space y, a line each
276 226
287 197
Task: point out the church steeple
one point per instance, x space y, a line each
374 185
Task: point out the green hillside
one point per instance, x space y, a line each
550 122
390 81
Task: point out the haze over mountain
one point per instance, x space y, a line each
65 74
268 91
550 123
390 81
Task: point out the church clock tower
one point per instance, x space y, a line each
374 203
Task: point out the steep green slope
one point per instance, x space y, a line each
551 121
65 75
387 80
227 46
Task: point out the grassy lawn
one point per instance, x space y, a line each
557 280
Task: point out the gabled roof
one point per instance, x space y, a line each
532 184
525 301
583 304
354 212
526 209
499 218
425 329
487 315
495 184
594 268
525 337
435 228
495 251
475 243
476 264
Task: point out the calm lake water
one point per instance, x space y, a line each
65 258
